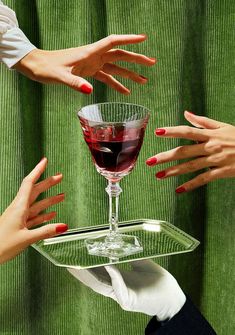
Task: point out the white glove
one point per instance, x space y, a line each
147 288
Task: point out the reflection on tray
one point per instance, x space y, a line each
158 238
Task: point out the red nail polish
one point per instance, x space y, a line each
180 189
160 174
190 112
60 194
160 131
86 89
151 161
143 77
61 228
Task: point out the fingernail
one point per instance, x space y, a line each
180 189
160 174
189 112
143 77
60 194
151 161
86 89
143 35
152 58
58 174
160 131
42 159
61 228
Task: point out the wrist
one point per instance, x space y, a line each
174 301
31 64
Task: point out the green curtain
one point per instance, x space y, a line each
194 43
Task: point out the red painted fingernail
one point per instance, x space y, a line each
151 161
180 189
61 228
160 131
190 112
143 77
86 89
160 174
60 194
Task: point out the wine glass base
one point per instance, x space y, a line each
125 245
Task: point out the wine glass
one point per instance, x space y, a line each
114 133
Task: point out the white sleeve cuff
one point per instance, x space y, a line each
8 18
14 45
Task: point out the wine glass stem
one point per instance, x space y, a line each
113 189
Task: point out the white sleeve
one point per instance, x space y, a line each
14 45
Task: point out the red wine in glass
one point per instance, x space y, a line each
114 150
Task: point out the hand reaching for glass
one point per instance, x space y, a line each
25 212
97 60
147 288
214 149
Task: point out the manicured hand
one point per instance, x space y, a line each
97 60
25 212
214 150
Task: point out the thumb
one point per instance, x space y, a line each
202 121
78 83
119 286
47 231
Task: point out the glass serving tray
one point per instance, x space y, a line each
158 238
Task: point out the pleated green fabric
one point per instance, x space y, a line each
194 43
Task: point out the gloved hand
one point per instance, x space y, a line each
147 288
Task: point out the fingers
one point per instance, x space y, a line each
127 56
112 41
47 231
119 286
40 206
146 265
125 73
45 185
77 83
112 82
183 152
26 187
37 220
187 167
186 132
202 179
91 279
202 122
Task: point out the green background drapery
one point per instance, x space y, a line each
194 42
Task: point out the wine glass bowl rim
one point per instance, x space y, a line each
145 117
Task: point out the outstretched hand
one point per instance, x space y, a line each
70 66
25 212
214 149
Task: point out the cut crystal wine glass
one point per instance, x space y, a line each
114 133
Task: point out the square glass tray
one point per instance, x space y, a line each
158 238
